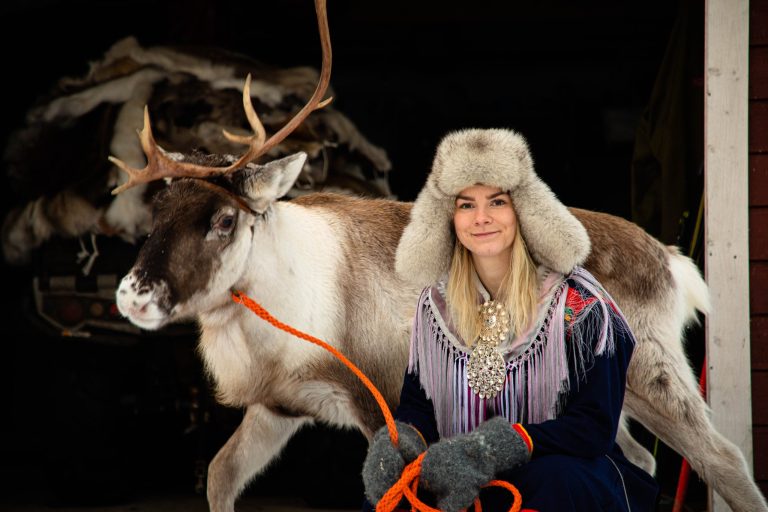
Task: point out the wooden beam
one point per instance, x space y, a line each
727 249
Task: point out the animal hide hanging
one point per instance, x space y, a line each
57 161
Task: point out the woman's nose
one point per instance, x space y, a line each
481 216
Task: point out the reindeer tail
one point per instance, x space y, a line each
691 288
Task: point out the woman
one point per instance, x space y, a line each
518 356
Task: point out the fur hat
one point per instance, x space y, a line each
497 158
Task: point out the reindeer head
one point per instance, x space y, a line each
201 236
204 222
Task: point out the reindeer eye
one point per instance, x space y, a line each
226 222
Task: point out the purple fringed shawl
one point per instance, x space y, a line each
537 362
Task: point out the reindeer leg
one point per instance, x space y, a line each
257 440
634 451
663 395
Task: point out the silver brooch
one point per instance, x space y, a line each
487 369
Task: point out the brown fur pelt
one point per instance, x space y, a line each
59 156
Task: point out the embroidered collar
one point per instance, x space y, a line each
537 374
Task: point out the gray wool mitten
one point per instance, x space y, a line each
384 463
455 469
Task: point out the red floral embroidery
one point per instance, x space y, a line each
575 302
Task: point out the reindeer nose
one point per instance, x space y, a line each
128 303
139 303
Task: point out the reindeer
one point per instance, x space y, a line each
324 263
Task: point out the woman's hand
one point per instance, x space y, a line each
384 463
455 469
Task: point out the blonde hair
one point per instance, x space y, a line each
518 290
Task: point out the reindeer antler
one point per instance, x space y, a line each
159 165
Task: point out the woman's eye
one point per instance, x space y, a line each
498 202
464 206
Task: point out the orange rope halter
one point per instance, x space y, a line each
409 480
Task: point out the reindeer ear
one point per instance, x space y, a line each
283 172
261 185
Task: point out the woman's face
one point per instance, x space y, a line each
485 222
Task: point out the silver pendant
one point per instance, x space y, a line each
487 369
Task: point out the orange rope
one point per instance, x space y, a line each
409 480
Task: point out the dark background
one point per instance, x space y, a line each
108 421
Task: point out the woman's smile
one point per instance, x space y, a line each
485 235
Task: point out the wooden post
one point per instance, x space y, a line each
727 249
